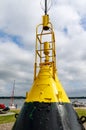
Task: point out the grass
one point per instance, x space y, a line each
11 118
81 112
7 119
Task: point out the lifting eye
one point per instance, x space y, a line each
16 115
83 119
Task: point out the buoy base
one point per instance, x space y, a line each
47 116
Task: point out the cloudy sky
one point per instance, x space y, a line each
18 20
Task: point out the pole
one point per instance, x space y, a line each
45 7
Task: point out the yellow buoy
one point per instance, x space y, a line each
47 106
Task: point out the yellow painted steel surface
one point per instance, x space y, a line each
46 86
46 89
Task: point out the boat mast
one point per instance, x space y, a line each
12 96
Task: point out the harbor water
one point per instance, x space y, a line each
20 102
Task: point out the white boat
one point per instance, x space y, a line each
12 106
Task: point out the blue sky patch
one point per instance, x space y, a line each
83 22
14 38
65 30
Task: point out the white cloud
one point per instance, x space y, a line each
15 64
16 17
80 6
